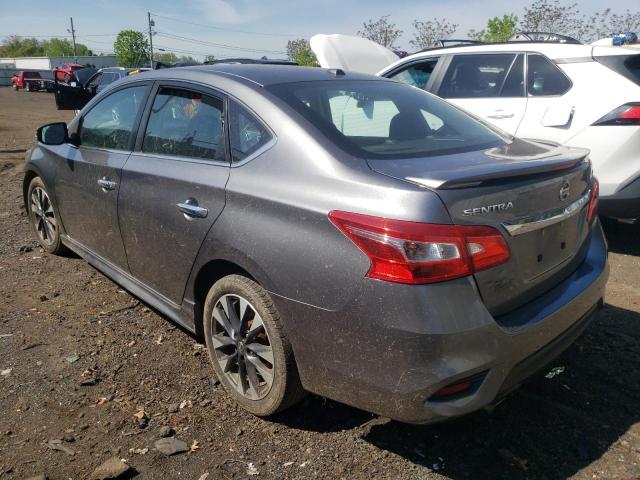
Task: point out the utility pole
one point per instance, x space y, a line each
73 36
151 24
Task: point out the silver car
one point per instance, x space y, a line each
324 232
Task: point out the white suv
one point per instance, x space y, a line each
572 94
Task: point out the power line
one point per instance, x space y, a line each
22 35
218 45
291 35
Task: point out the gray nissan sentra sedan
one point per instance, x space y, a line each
341 234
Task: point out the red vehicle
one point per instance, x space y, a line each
64 71
29 81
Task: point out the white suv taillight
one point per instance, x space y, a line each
411 252
627 114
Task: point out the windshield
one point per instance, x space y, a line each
382 119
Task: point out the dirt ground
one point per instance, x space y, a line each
80 358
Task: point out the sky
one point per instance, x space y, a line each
247 28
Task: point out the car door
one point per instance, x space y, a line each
89 174
489 85
173 185
550 104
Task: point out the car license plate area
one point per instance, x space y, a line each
541 251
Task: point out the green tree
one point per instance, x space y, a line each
209 58
498 29
59 47
131 49
165 57
299 51
15 46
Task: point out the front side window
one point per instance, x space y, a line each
386 120
107 78
416 75
110 123
95 80
186 124
544 77
476 76
247 133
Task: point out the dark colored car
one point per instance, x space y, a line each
346 235
87 83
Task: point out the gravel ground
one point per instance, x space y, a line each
89 373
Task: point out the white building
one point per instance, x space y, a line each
48 63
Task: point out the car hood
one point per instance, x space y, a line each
351 53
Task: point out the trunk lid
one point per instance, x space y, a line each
350 53
535 194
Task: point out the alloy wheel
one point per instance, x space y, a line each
242 346
44 219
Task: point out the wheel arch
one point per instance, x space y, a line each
29 175
207 275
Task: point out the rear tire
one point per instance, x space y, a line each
44 218
248 347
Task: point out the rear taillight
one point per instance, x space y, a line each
411 252
593 200
627 114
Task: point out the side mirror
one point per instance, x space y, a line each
53 134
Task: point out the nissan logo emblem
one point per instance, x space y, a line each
564 190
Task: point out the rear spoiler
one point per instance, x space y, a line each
560 159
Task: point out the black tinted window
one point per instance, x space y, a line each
514 83
378 119
544 77
416 75
187 124
476 76
247 133
110 123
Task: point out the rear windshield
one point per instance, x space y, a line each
382 119
626 65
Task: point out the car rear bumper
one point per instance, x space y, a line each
396 345
623 204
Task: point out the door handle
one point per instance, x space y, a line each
191 210
500 116
106 184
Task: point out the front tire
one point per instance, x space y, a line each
248 347
44 218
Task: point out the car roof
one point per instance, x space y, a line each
262 75
551 50
554 51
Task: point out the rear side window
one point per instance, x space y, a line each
186 124
416 75
110 123
544 77
478 76
31 75
248 134
386 120
626 65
